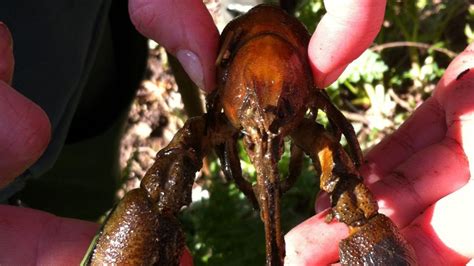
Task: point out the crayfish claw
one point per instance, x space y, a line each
378 242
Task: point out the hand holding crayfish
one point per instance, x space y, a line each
420 175
382 166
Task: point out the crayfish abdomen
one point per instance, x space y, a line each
265 89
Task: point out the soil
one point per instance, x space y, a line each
157 112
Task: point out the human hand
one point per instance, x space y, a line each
29 236
421 177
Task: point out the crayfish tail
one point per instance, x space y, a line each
378 242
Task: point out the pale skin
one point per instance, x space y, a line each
420 174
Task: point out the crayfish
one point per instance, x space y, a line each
265 95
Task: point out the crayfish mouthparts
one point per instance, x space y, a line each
265 89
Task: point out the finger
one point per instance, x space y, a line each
455 93
441 168
429 123
420 181
24 133
345 31
443 234
314 242
186 258
184 28
426 126
6 54
25 128
31 237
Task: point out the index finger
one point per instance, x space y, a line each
345 31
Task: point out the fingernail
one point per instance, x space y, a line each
322 201
192 66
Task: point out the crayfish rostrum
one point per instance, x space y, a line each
265 94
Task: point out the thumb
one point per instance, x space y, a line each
24 127
185 29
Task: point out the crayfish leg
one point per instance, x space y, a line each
322 101
294 169
375 240
229 157
324 150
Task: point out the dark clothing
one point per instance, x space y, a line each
81 61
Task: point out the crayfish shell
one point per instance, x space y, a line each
378 242
263 68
